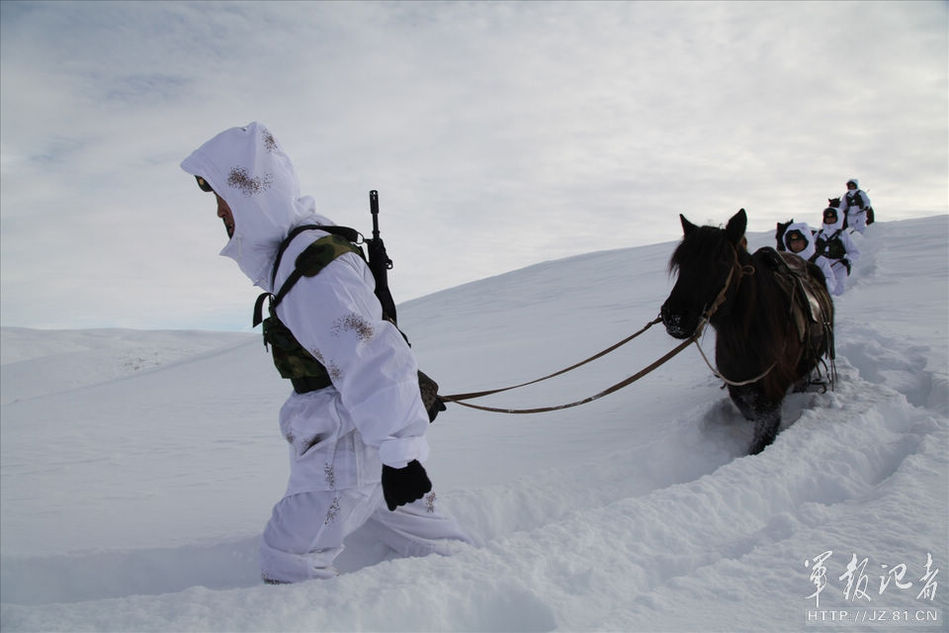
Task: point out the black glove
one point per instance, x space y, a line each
404 485
437 405
428 389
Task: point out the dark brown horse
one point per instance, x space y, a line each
771 312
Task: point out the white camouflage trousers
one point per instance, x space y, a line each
840 278
306 530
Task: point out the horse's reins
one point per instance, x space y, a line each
734 383
478 394
459 398
623 383
694 338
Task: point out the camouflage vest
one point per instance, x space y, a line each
292 360
854 199
831 247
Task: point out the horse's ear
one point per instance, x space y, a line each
735 229
687 227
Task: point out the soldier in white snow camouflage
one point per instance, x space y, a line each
356 431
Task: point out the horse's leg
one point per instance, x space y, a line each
766 428
748 399
756 408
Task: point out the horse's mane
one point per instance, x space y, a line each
702 244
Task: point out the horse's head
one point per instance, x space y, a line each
705 261
779 232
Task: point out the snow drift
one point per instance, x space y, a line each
138 469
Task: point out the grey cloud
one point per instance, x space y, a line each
146 89
498 134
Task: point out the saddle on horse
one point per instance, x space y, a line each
811 307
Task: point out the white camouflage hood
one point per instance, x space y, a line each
249 170
839 224
805 230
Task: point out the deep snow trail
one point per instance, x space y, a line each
641 512
625 558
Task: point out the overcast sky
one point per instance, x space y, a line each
498 134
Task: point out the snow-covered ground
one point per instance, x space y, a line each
138 469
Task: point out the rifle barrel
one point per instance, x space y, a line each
374 210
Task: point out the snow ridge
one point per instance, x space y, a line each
639 513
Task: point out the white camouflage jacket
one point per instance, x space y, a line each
827 231
372 414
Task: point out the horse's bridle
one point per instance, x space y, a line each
723 293
715 305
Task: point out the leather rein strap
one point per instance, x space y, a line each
605 392
694 338
478 394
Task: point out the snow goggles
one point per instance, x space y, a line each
795 236
203 184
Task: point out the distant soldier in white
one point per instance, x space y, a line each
354 421
834 243
799 239
855 205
